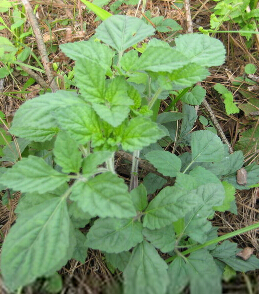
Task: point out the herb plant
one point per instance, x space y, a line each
73 182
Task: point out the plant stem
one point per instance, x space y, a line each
216 240
154 98
110 164
134 170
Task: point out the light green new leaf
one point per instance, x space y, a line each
114 235
37 244
188 75
139 133
195 96
80 250
201 49
106 195
90 51
129 59
230 106
118 260
40 125
229 197
67 154
139 197
168 206
112 114
33 174
91 162
206 147
90 78
203 273
103 14
177 276
146 272
163 239
166 163
121 32
81 123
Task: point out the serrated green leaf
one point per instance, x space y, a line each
40 125
106 195
33 174
90 51
226 252
177 276
201 49
91 162
67 154
168 206
139 197
203 273
166 163
158 59
166 117
188 75
121 32
78 217
128 59
206 147
40 234
82 124
207 196
251 68
146 271
90 78
163 239
195 96
229 197
118 260
153 182
114 235
189 118
80 250
140 132
230 106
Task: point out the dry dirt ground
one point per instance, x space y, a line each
94 276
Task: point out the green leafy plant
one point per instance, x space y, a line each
72 183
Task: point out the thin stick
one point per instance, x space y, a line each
188 16
217 125
41 45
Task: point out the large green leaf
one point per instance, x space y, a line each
90 78
146 272
201 49
67 154
139 197
203 273
226 252
188 75
168 206
195 96
153 182
37 244
114 235
208 196
140 132
34 119
158 59
80 250
106 195
165 162
82 124
33 174
163 239
177 276
206 147
118 260
89 50
121 32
